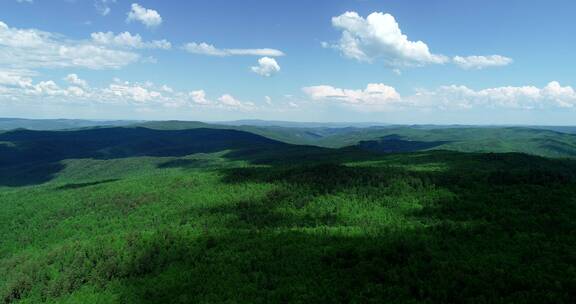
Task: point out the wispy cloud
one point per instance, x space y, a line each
32 48
127 40
481 62
210 50
103 6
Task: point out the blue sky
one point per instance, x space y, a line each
471 62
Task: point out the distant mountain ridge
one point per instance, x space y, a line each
295 124
545 141
57 124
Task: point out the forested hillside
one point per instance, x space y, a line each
208 215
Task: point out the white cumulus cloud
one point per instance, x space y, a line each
199 97
210 50
378 36
450 97
132 92
148 17
229 101
266 67
515 97
19 86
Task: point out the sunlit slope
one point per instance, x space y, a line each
531 141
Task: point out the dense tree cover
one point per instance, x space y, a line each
295 225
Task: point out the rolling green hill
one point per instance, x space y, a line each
542 142
531 141
537 140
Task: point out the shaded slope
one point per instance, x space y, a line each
396 144
105 143
31 157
